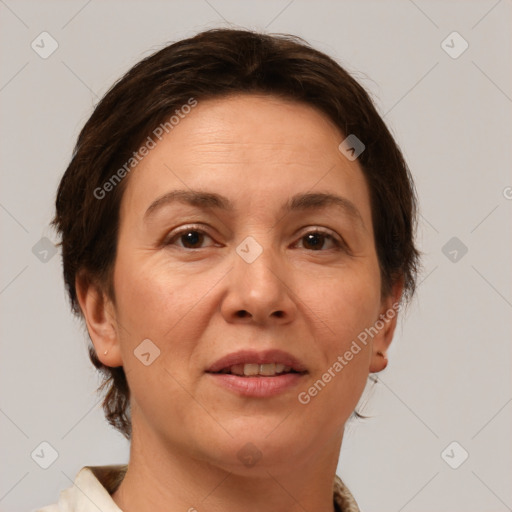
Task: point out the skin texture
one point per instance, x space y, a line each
196 305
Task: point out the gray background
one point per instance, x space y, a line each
450 363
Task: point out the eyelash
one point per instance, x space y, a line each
339 244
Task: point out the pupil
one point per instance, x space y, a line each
192 238
315 240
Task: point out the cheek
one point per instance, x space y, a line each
345 303
160 301
345 306
148 300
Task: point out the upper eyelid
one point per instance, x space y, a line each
193 227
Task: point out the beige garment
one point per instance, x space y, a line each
93 486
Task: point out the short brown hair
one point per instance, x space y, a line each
213 64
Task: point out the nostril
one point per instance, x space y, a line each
242 313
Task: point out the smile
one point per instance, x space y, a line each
254 369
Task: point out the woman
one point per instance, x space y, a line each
237 230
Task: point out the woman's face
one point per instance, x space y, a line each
250 259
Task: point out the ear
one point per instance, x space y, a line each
100 318
385 325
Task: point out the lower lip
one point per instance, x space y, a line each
257 386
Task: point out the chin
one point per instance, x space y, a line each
259 449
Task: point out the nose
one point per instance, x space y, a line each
259 292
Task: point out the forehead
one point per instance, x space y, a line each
251 147
264 119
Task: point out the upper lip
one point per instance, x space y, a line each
255 357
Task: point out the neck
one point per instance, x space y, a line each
163 479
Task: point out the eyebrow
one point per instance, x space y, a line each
205 200
211 200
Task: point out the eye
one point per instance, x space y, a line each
190 238
315 240
194 238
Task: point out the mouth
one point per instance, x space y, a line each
258 374
249 363
257 370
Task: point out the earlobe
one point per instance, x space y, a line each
100 319
379 362
387 322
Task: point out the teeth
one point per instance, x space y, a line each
268 369
237 369
252 369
